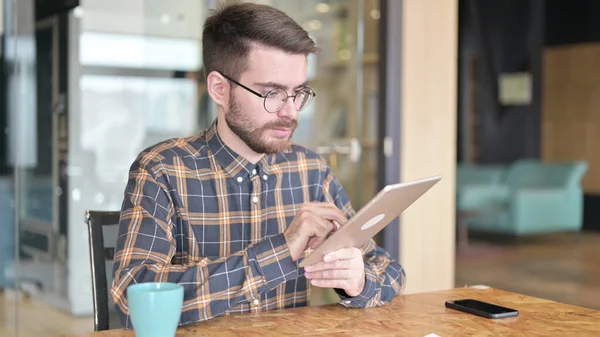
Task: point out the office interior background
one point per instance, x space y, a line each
500 97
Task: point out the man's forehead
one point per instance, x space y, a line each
273 57
274 65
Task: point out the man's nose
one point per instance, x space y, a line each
288 110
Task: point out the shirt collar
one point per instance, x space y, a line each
232 163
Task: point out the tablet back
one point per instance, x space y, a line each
373 217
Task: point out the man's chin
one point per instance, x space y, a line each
278 145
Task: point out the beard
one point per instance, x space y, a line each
255 137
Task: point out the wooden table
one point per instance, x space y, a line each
408 315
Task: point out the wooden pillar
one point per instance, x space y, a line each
428 114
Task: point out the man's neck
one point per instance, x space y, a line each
236 143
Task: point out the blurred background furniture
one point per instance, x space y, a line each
103 229
525 198
475 185
7 233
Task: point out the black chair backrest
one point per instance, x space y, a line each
103 227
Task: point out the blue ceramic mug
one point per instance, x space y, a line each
155 308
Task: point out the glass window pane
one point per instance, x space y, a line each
138 51
120 116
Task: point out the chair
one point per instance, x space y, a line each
102 228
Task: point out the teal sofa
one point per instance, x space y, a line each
524 198
475 181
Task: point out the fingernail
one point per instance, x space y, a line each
307 275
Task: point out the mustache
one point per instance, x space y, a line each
282 124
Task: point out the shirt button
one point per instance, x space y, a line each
240 179
254 172
256 301
265 177
255 199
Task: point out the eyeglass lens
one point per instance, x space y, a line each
277 98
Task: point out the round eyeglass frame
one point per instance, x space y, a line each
311 94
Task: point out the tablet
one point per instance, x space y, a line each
372 218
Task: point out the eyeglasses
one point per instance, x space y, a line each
277 98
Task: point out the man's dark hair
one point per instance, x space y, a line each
230 30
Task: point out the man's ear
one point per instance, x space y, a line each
218 88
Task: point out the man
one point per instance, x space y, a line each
229 213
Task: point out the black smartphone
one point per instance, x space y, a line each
482 309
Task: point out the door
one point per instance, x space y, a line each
41 242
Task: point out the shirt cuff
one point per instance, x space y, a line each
360 300
274 261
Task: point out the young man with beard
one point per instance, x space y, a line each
228 213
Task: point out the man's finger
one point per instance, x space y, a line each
340 254
322 204
320 231
330 274
336 225
324 226
338 264
340 284
315 242
330 212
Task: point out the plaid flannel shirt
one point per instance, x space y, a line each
198 214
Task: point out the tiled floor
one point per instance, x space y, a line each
555 267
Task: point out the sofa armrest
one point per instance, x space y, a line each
539 207
476 197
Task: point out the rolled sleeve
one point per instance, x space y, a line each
273 260
369 291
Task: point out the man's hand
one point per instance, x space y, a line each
342 269
310 227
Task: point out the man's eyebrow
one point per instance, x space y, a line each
278 85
